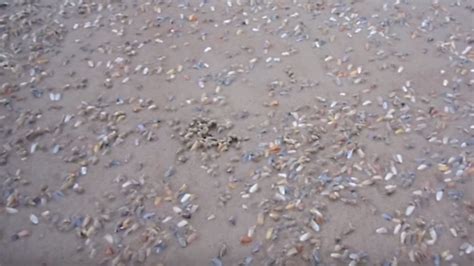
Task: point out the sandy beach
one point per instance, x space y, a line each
236 132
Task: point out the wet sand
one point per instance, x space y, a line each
328 133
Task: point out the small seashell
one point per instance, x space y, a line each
33 147
293 251
182 223
469 249
251 231
453 232
177 209
269 233
109 239
397 229
443 167
304 237
77 188
245 240
439 195
399 158
389 189
403 237
388 176
34 219
193 236
83 170
260 218
181 240
422 167
222 250
433 236
11 210
253 188
216 262
23 233
185 198
315 226
409 210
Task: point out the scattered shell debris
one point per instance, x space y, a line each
236 132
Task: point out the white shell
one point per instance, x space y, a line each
422 167
182 223
305 237
34 219
439 195
177 209
185 197
410 209
109 238
397 228
11 210
314 226
469 249
253 188
403 237
433 236
399 158
281 189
